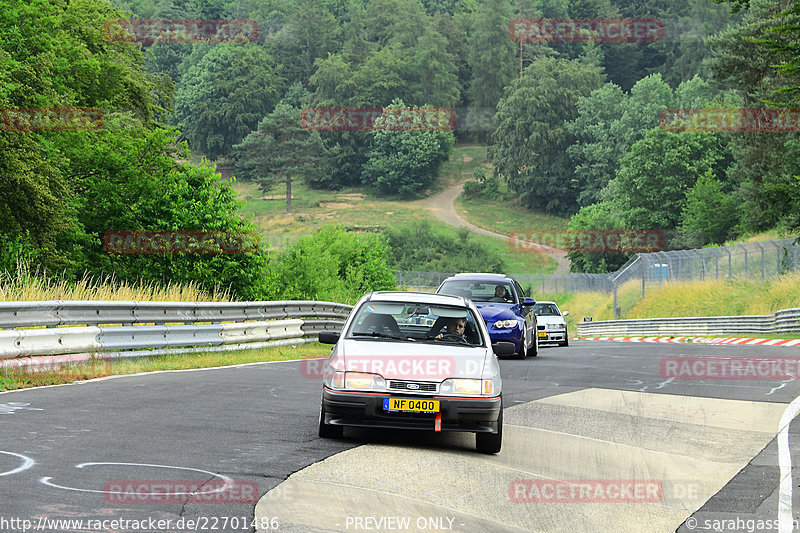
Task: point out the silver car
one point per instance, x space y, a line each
417 361
551 325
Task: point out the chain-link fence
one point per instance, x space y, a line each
754 260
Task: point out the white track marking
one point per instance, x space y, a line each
225 486
27 463
785 520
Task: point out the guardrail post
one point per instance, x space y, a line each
616 309
644 271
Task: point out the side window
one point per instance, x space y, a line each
520 292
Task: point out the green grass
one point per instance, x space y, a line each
11 379
506 217
461 165
360 208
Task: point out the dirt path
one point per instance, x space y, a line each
443 206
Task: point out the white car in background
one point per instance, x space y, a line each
551 325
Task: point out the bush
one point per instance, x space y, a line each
485 188
330 265
419 247
405 162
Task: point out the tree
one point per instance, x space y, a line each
279 151
404 162
660 169
435 68
596 151
759 164
223 97
600 216
492 63
709 214
531 139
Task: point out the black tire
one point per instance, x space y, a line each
535 349
491 442
523 351
566 339
327 431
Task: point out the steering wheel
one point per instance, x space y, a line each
454 336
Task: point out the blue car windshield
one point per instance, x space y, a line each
480 291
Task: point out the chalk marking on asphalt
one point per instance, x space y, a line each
10 407
228 481
27 463
785 521
779 387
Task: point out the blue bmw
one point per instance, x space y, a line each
503 306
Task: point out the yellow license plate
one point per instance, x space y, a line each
543 334
411 405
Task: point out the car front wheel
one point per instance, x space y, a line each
327 431
491 442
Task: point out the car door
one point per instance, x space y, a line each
526 312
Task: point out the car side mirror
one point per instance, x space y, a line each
328 337
504 348
528 301
565 313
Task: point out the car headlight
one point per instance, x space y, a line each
505 324
363 381
467 386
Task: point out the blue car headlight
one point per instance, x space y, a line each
505 324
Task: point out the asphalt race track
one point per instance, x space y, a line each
595 439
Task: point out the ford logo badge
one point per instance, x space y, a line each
412 385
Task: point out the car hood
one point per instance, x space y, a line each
492 312
410 360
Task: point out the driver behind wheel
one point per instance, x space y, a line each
455 326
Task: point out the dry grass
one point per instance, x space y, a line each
684 299
31 285
11 379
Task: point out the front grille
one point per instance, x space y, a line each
403 386
541 328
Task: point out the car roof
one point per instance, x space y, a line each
417 297
481 276
545 302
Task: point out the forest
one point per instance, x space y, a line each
573 127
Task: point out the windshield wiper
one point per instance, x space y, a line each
377 334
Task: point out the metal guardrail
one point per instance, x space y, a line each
59 327
782 322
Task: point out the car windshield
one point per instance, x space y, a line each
479 291
415 322
546 310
